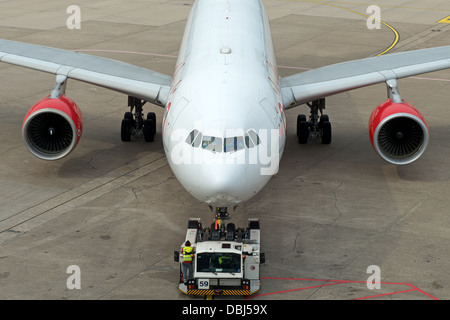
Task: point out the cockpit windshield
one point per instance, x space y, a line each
213 144
233 144
219 144
218 262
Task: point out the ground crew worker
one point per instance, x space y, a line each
225 261
186 264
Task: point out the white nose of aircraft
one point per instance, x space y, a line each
222 185
217 165
219 179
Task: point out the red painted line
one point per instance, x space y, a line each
423 292
384 294
332 282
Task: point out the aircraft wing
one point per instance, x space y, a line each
319 83
115 75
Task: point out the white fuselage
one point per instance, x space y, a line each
224 126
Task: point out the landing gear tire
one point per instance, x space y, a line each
149 130
152 116
125 131
302 129
325 129
150 127
326 132
128 115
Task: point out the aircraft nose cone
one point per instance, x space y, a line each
223 184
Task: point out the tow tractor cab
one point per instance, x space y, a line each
226 259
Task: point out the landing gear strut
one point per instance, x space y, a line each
221 214
317 126
135 124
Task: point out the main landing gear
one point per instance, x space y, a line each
317 126
135 124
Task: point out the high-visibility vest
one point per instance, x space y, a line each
224 260
187 258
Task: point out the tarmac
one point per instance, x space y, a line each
334 218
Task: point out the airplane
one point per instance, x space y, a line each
224 122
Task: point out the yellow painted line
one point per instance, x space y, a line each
396 34
445 20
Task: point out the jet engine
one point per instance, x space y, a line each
52 127
398 132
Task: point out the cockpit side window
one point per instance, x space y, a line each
194 138
251 139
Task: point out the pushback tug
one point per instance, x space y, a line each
226 259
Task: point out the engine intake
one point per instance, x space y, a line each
398 132
52 128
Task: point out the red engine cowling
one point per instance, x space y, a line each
52 128
399 133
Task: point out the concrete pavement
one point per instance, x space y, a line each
116 210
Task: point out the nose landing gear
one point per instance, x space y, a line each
221 214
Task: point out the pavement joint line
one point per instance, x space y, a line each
74 198
139 273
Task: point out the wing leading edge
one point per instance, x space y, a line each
111 74
319 83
